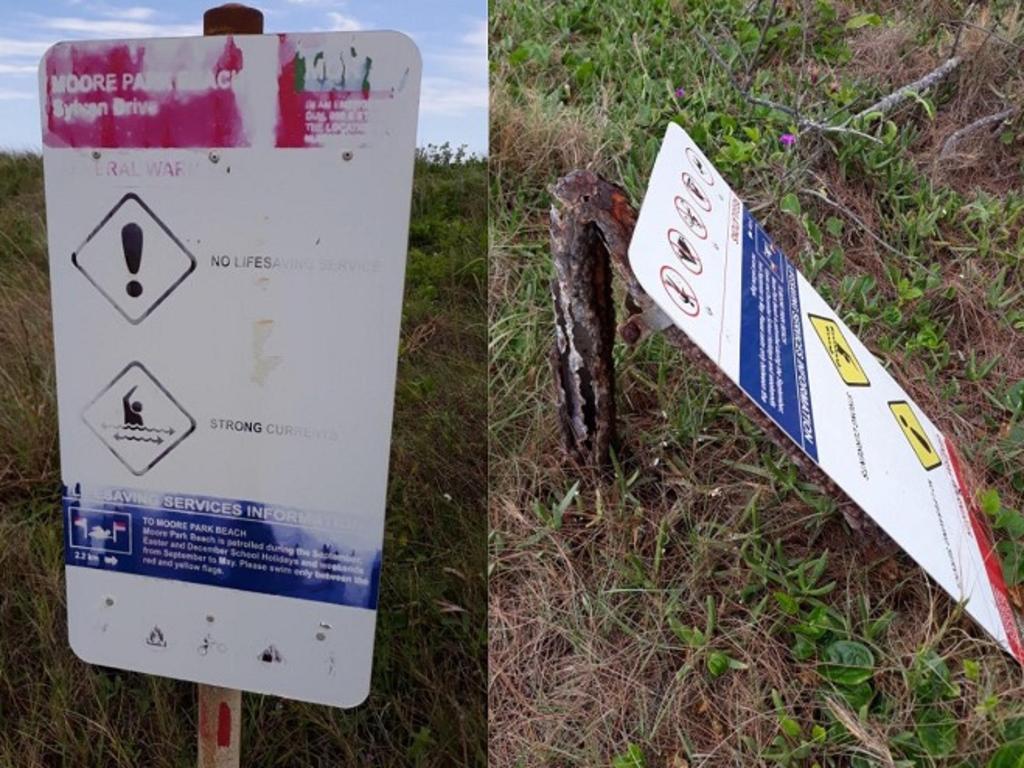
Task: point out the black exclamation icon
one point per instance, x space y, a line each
131 243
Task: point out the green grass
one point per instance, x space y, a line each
426 706
706 605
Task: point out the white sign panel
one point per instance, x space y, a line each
710 266
228 222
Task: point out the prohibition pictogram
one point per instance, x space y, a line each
684 251
691 218
696 192
702 168
679 291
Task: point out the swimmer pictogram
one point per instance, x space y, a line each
138 420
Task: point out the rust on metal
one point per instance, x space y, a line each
233 19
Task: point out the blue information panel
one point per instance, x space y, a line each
233 543
773 362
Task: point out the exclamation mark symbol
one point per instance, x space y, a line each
131 243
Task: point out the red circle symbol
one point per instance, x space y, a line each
679 291
700 166
684 251
691 218
696 192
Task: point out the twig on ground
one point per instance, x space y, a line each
950 145
760 41
960 29
897 97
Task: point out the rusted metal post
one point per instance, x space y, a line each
592 224
220 709
233 19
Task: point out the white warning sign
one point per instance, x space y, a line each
711 267
228 223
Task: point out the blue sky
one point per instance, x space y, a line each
451 34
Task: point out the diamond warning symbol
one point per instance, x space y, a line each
133 259
915 434
839 350
138 419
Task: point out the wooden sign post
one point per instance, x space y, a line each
220 709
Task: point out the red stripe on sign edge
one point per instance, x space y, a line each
988 554
224 725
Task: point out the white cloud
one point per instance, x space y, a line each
455 79
6 94
341 22
118 28
17 69
10 48
477 36
451 97
135 13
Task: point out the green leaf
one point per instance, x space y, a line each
989 500
719 663
1014 730
1009 756
936 730
691 636
834 226
930 677
813 232
790 204
864 20
585 72
847 663
857 696
789 726
519 56
787 603
633 758
972 670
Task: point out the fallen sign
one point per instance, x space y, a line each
704 260
228 223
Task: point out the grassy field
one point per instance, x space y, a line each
681 612
426 707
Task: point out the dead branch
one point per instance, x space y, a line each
950 145
887 104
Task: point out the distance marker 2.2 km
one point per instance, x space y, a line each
138 420
133 259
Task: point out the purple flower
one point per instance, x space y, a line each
787 139
680 92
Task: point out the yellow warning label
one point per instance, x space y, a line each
839 350
915 434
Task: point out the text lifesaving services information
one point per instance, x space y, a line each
234 543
